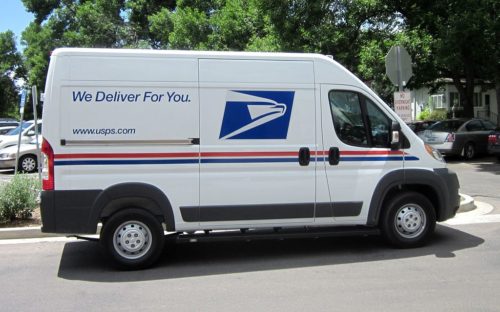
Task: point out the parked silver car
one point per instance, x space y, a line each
28 159
465 137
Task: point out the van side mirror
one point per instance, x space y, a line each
395 131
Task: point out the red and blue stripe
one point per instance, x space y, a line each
220 157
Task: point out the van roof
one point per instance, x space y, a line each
181 53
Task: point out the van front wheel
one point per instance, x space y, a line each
408 220
133 239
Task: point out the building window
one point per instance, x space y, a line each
455 99
437 101
477 100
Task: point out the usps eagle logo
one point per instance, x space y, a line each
256 115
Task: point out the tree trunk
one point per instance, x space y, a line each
497 89
466 92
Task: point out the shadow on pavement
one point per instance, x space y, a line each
83 260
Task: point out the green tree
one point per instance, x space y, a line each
462 40
11 69
65 23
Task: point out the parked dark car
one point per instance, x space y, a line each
419 126
494 144
464 137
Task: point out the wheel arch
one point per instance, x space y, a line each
425 182
133 195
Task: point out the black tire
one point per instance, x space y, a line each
136 224
28 164
408 220
469 151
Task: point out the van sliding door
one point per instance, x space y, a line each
257 135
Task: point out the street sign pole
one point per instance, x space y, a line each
24 94
34 93
398 67
398 60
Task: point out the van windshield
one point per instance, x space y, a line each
18 129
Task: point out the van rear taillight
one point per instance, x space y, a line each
48 166
450 137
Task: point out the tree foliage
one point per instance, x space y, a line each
462 40
449 38
11 69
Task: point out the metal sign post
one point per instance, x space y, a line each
34 96
24 94
398 68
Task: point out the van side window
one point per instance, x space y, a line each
347 117
358 121
379 125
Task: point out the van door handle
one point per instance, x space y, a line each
304 156
334 156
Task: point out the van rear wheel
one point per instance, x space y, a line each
133 239
408 220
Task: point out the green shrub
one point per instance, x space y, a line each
18 198
437 114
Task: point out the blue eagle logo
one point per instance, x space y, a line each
257 115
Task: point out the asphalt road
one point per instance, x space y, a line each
479 178
457 271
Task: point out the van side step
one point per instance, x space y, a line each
274 233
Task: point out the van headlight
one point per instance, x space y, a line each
434 153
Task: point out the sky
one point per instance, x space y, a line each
13 16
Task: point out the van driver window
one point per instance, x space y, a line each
347 117
358 121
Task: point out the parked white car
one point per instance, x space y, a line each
27 134
6 129
28 159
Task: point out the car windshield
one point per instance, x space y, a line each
18 129
446 125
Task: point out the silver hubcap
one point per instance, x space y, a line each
28 164
410 221
132 239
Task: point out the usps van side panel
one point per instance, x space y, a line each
255 117
121 127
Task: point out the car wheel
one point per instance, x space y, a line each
28 163
469 151
408 220
133 239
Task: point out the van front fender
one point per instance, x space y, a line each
439 185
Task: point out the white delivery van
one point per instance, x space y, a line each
201 143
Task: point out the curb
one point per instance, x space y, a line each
466 204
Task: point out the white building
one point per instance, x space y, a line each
447 96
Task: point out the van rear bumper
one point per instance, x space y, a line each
68 211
